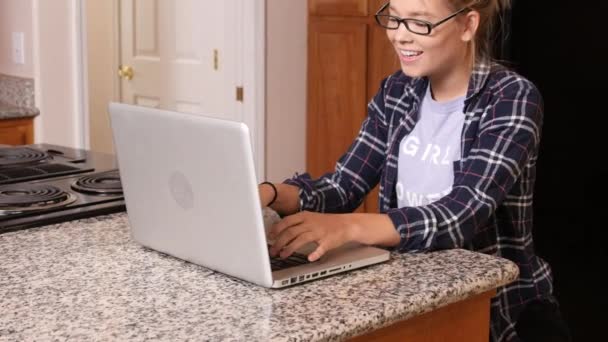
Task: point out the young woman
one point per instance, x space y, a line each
453 139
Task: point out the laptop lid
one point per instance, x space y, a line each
190 189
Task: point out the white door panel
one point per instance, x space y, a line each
171 44
182 55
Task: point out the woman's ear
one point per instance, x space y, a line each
471 23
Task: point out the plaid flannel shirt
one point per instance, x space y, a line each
489 209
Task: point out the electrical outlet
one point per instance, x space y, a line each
18 48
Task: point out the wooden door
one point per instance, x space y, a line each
337 59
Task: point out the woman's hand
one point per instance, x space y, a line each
328 231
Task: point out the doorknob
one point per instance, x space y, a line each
126 72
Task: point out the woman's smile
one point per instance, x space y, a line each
408 56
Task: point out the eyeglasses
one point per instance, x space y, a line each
417 26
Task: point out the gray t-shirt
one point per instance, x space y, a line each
426 155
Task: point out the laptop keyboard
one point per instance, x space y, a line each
296 259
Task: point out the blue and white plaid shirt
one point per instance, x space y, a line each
489 209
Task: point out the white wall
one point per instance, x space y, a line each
56 72
51 49
16 16
286 58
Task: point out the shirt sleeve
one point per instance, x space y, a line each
507 138
355 173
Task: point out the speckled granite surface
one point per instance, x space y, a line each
87 280
16 97
17 91
12 112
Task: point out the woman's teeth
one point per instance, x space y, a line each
410 53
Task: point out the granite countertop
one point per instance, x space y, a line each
8 111
87 280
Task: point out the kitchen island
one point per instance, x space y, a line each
88 280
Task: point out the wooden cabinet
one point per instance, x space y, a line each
340 8
348 56
17 131
466 320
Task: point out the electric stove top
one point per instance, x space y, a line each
42 184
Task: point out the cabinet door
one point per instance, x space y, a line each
16 132
374 5
341 8
383 62
337 99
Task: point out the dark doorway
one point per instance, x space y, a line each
554 45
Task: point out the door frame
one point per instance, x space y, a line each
253 71
81 74
254 78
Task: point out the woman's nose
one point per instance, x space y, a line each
402 34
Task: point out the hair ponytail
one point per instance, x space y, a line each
491 14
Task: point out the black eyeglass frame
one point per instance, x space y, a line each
429 26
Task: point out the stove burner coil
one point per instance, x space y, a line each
15 156
19 198
105 183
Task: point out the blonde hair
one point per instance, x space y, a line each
490 13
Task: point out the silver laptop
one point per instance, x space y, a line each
191 192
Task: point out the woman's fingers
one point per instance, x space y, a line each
318 253
301 240
294 231
285 237
286 222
